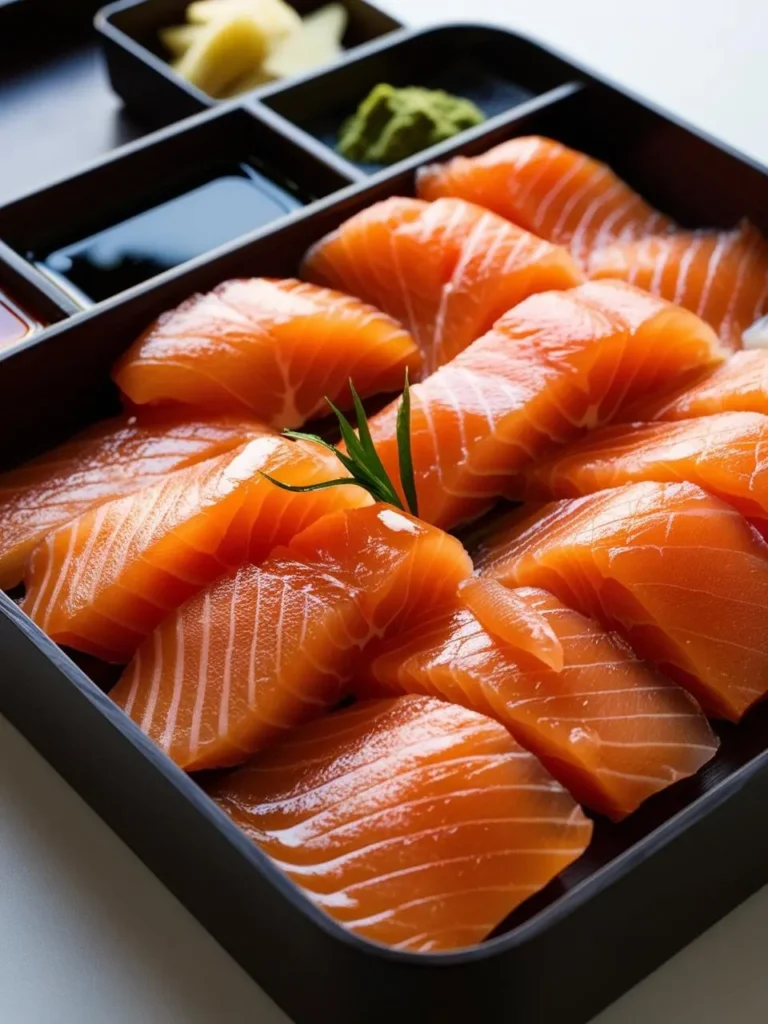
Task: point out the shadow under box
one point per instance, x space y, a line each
163 202
494 68
139 64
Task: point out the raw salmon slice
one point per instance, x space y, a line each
510 616
545 187
556 365
723 453
270 647
411 822
276 348
738 385
108 460
101 583
722 276
677 571
446 270
612 729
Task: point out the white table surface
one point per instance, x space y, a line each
87 934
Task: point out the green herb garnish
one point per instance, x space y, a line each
361 460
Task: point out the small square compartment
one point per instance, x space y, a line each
159 203
138 63
496 69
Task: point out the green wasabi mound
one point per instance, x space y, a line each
392 124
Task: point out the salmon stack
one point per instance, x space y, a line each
101 583
556 365
555 192
277 349
679 573
107 461
270 647
577 202
412 822
609 727
446 270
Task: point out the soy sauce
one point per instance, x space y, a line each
162 237
14 323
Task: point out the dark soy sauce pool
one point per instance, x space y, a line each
15 324
136 249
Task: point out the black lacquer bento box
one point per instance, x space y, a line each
647 886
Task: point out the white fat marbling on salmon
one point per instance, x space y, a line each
551 368
103 582
446 269
268 647
613 745
688 574
347 808
261 345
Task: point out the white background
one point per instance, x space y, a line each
87 935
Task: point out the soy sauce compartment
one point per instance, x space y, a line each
496 70
159 203
139 65
172 232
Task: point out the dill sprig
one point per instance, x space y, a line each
361 460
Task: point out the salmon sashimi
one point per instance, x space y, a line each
446 270
545 187
556 365
612 729
677 571
101 583
509 616
723 453
268 648
275 348
108 460
738 385
411 822
722 276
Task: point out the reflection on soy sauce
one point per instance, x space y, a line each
135 249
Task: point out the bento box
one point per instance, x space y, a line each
646 886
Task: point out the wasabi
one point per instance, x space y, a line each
392 124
